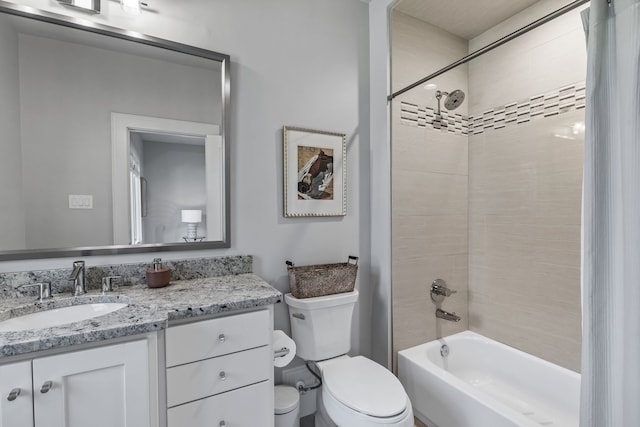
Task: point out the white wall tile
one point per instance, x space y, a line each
524 237
429 190
418 50
546 58
523 192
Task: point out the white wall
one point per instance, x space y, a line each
11 208
175 175
294 62
380 179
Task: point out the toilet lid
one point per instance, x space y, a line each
365 386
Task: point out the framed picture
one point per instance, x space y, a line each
315 173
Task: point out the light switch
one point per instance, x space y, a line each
80 201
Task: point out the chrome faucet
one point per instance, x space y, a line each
107 283
439 292
44 290
78 279
446 315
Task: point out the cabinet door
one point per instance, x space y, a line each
16 397
101 387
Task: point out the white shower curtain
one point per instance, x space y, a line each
611 217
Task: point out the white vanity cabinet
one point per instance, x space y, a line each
220 372
102 387
16 400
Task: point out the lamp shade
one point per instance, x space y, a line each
192 216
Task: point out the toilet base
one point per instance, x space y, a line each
321 421
321 418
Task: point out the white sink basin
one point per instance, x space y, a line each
58 316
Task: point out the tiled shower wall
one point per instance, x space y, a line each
525 175
503 219
429 186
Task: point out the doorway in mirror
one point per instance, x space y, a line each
161 168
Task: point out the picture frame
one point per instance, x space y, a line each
315 172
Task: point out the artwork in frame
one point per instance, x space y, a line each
315 173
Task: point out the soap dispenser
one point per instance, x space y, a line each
157 276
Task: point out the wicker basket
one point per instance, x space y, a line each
322 279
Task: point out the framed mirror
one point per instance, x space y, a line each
111 141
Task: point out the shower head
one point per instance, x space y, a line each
454 99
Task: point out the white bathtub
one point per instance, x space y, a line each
483 383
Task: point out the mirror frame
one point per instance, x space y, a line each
132 36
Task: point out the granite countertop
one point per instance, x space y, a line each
148 310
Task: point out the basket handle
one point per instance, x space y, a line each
289 263
354 258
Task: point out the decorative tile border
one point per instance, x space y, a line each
413 115
565 99
131 274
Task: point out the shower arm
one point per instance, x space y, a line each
439 97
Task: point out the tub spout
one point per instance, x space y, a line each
453 317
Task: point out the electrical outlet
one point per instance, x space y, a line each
80 201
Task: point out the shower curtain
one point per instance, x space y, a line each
611 217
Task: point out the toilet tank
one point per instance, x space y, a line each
321 326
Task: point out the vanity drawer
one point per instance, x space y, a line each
215 337
197 380
245 407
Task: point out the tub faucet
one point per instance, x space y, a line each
439 291
77 277
453 317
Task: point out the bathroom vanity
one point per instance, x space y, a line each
211 381
192 353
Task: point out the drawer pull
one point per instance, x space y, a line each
13 394
222 338
223 424
223 375
46 387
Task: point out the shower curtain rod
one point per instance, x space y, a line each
491 46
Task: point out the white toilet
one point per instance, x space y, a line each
356 391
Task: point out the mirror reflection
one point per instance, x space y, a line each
166 180
155 158
106 142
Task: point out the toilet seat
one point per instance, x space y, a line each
358 391
343 416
